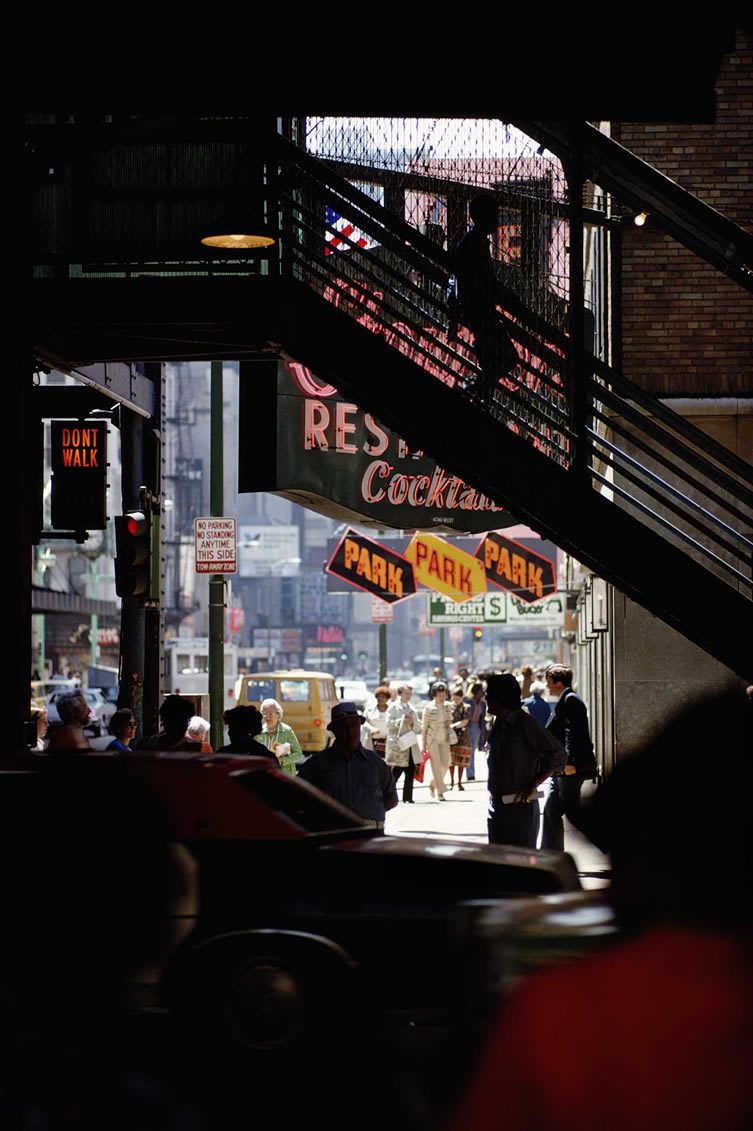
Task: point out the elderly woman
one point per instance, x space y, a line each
278 737
198 731
437 736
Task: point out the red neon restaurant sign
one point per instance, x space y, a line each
326 452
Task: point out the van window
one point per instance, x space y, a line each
260 689
326 690
294 690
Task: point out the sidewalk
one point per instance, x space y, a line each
463 815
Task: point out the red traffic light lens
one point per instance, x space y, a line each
136 523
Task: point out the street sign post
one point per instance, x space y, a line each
381 611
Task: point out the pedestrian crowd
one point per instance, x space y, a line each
508 716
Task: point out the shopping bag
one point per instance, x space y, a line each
418 773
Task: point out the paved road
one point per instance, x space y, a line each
463 815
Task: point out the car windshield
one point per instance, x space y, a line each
261 689
310 811
294 690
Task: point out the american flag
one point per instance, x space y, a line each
347 231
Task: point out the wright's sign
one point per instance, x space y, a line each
372 567
516 568
79 470
445 569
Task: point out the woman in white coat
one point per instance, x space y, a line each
402 721
376 721
436 735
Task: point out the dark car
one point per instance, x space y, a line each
290 878
304 904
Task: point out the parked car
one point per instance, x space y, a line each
288 876
315 937
41 689
101 710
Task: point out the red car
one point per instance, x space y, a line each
304 906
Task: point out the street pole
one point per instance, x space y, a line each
216 581
382 646
441 649
94 620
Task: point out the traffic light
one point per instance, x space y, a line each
478 634
132 547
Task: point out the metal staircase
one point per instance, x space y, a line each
356 290
573 447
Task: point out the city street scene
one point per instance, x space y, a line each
385 605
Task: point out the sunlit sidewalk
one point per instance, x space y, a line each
463 815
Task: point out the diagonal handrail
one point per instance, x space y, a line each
391 277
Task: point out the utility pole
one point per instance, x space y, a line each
216 581
382 646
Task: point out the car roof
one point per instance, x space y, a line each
291 673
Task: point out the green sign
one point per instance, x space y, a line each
489 608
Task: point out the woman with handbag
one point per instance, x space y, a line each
403 751
376 722
437 736
460 755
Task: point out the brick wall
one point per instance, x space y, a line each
688 331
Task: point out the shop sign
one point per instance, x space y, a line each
516 568
490 608
372 567
549 612
445 568
329 634
329 454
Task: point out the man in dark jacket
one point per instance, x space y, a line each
568 723
354 776
522 754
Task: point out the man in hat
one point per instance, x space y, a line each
354 776
522 754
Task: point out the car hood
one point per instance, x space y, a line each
447 848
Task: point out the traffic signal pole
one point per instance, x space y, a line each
139 576
132 638
216 581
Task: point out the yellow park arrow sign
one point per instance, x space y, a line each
446 570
